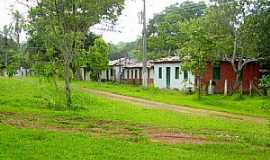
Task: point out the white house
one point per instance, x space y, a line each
132 73
115 70
168 74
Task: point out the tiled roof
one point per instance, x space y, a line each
121 62
139 65
170 59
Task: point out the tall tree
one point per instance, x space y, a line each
7 47
98 56
232 30
197 50
88 41
18 25
123 50
164 35
65 24
257 35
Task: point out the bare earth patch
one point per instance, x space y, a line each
92 127
175 137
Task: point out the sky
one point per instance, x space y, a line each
127 28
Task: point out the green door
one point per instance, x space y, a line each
168 77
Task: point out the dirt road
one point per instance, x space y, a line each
176 108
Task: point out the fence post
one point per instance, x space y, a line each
250 88
226 88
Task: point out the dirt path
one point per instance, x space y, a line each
176 108
101 128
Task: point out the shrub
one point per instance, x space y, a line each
265 84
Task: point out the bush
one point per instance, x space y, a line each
265 84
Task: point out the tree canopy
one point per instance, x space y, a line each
164 35
62 26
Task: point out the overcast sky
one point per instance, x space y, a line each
127 24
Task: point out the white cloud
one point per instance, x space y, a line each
6 7
128 22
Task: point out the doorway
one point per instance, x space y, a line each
168 77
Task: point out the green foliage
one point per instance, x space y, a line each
62 26
8 50
164 33
66 31
94 59
265 81
123 50
265 84
98 56
235 27
258 35
196 51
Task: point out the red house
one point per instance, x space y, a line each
224 72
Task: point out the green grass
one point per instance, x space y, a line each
256 106
32 144
28 144
30 128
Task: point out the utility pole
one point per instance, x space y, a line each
6 32
144 74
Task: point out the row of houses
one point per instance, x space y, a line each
166 73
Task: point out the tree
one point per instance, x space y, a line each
98 56
258 34
164 34
8 47
233 32
78 58
65 24
265 84
18 25
123 50
196 51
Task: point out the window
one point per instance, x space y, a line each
160 72
216 73
176 72
111 72
131 74
185 75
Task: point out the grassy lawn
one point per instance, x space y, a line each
32 128
257 106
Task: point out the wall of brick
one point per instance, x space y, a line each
250 74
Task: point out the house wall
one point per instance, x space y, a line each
104 75
250 73
118 72
113 73
132 79
151 73
180 83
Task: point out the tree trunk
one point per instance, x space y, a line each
78 74
239 82
99 77
67 84
241 89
